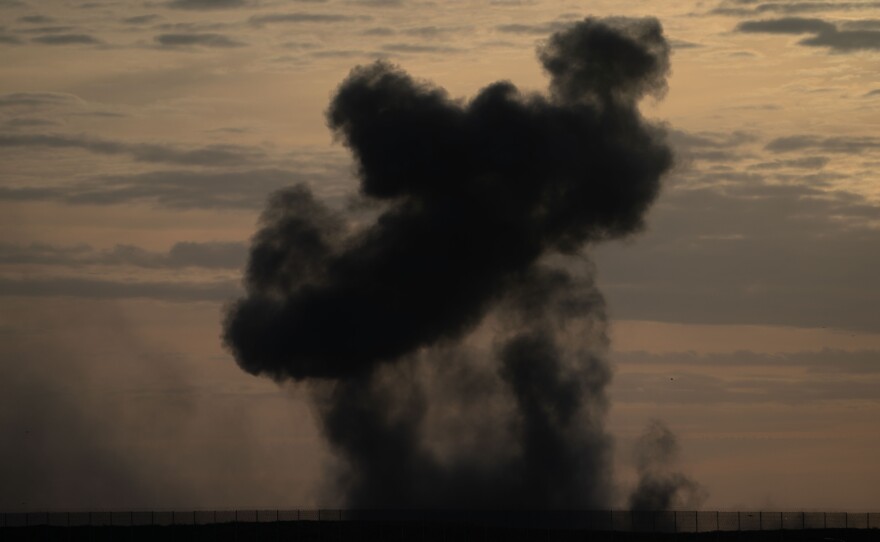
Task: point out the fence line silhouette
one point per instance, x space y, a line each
607 520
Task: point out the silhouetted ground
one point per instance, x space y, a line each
329 531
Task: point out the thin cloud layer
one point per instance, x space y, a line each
178 189
207 255
35 19
788 25
141 19
219 291
538 29
39 99
747 8
748 378
207 4
775 254
197 39
67 39
832 144
319 18
826 34
219 155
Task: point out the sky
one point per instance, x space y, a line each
140 140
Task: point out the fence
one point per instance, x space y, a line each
608 520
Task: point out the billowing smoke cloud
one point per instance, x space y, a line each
454 346
660 487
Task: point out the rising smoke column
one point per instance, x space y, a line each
660 486
485 204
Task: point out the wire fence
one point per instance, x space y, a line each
607 520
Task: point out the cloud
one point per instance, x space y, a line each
273 18
845 40
788 25
825 33
203 40
19 122
819 363
141 19
861 24
835 144
418 48
35 19
743 9
775 253
209 255
433 32
211 155
797 378
682 44
9 40
377 3
807 7
217 291
711 146
48 30
337 54
379 31
207 4
807 162
538 28
176 189
38 99
67 39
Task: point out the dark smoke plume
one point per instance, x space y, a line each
453 349
660 487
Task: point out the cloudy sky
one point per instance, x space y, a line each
139 141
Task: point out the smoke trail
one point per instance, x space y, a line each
486 205
659 486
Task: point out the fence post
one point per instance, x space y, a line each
846 520
696 521
738 521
